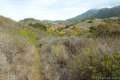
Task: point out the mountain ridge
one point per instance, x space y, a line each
92 13
96 13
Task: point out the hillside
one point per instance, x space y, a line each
4 21
90 14
32 49
96 13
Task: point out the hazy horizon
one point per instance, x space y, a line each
50 9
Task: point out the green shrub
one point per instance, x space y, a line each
39 26
29 34
92 68
90 21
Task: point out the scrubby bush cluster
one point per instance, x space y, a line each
19 55
81 59
32 50
109 28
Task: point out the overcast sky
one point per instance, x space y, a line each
50 9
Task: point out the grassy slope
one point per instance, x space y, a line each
33 54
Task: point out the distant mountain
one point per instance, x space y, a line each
93 13
28 21
33 21
96 13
